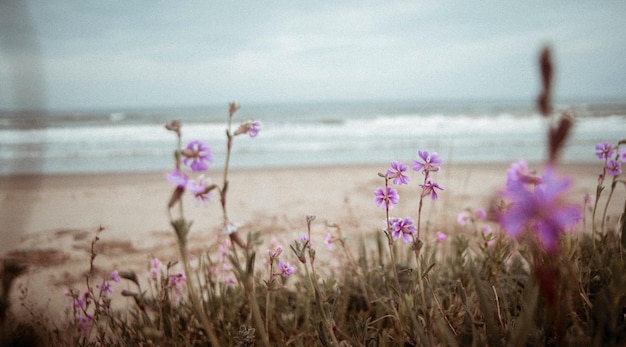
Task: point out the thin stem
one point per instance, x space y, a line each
267 298
196 304
445 317
328 322
396 277
229 145
256 312
606 206
599 190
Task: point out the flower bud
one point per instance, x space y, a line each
233 107
173 126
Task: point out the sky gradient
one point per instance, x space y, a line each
94 54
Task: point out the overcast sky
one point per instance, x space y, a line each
93 54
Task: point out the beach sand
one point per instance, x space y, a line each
49 221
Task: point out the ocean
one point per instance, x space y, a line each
300 134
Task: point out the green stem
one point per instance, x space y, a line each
328 322
390 241
256 312
606 206
195 303
267 299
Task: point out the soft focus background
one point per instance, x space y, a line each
86 86
342 88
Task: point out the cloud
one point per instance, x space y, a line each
95 55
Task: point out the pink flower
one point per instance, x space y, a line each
199 154
115 276
604 150
486 229
155 269
284 269
480 214
397 173
388 198
328 241
177 281
429 188
441 237
613 167
463 218
276 252
403 227
304 239
431 162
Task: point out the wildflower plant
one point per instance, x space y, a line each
613 156
198 155
514 275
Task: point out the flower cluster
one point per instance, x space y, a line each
198 156
201 188
404 228
222 269
613 157
283 267
387 197
430 163
538 206
172 283
176 283
476 220
85 306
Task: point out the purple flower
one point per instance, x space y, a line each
397 173
431 162
519 172
383 199
429 188
199 190
613 167
251 128
106 288
200 155
622 154
80 303
284 269
84 322
604 150
540 209
403 227
176 281
304 239
115 276
178 178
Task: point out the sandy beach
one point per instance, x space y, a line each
49 221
